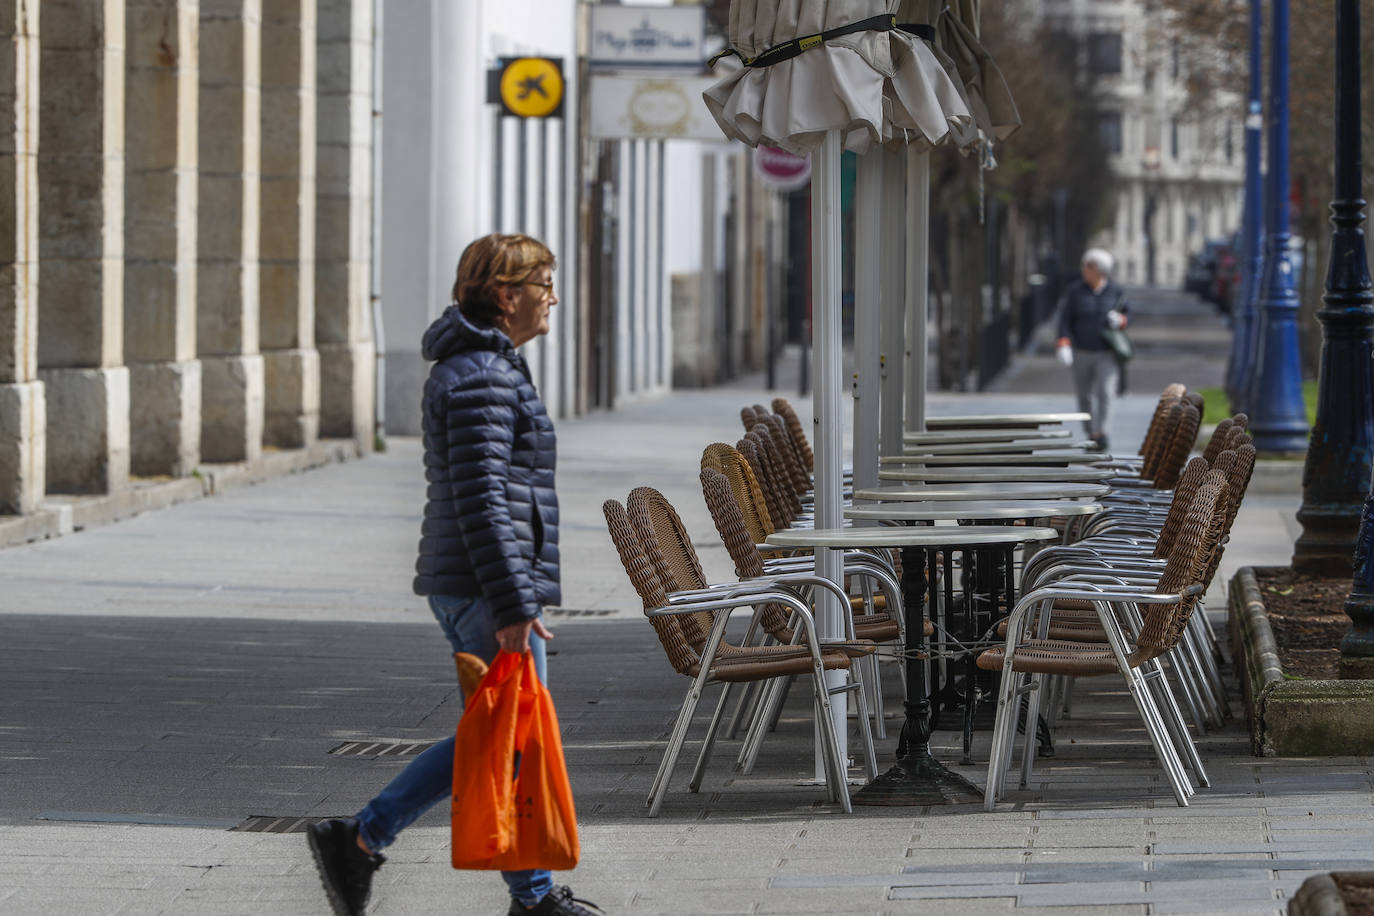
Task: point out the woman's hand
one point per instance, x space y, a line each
516 637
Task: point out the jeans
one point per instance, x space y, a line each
428 780
1095 374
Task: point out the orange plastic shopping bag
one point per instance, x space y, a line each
512 804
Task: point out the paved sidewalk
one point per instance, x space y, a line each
165 680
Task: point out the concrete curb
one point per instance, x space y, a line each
1292 718
1276 476
65 514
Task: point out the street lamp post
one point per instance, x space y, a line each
1278 420
1350 300
1335 480
1252 227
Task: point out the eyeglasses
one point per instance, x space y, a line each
547 287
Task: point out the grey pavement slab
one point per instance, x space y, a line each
170 677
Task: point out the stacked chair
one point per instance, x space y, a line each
1141 623
1119 597
1138 543
690 618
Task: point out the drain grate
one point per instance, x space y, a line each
266 823
578 612
375 747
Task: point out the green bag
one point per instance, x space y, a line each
1120 345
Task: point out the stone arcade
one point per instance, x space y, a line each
185 213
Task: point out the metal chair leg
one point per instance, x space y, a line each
675 742
708 743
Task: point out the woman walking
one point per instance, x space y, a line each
488 559
1089 306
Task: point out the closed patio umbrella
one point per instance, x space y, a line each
867 79
957 48
820 75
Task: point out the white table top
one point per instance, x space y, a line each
1002 420
1016 446
977 510
1064 456
949 436
996 474
946 536
984 491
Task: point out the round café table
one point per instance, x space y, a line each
917 778
1004 420
972 510
968 436
976 618
1008 447
1046 459
990 473
981 491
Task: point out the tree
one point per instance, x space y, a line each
1214 39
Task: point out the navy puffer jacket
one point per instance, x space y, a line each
491 515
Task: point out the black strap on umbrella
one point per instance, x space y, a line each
790 49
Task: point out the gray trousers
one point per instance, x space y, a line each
1095 374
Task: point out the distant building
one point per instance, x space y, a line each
227 224
1179 167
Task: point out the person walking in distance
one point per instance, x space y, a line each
488 561
1090 305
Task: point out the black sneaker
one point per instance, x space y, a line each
345 870
557 902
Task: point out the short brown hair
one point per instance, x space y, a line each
491 262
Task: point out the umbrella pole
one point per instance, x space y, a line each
917 284
917 778
868 214
828 420
893 357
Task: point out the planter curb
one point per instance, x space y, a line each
1320 895
1292 717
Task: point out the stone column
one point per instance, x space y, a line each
22 407
287 266
227 281
160 230
343 321
81 246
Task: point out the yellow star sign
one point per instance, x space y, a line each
532 87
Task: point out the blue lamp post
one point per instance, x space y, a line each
1252 228
1335 480
1278 420
1350 300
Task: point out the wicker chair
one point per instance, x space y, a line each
784 506
690 618
783 408
873 627
1127 549
787 448
1142 625
1200 677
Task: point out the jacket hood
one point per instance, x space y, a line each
452 333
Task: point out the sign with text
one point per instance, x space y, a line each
651 107
647 36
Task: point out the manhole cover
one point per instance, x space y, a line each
378 747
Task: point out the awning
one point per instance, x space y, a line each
875 85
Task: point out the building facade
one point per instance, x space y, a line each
185 241
227 223
1178 165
